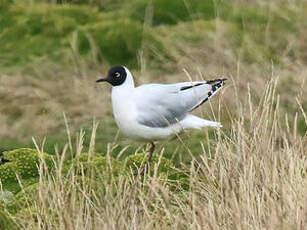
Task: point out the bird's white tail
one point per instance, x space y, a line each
194 122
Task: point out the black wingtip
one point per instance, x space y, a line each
223 80
218 80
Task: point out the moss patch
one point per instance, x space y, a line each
96 164
24 163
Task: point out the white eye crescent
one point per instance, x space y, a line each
117 74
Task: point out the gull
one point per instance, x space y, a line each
153 112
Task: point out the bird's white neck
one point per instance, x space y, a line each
128 84
120 92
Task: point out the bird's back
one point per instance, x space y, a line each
160 105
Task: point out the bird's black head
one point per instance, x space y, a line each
116 76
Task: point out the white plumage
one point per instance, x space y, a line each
157 111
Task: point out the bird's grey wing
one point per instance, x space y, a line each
160 105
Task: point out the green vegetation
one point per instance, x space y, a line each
22 164
5 222
248 175
93 170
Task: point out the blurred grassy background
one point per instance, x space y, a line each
52 51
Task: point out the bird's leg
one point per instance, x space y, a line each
151 150
145 168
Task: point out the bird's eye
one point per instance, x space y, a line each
117 74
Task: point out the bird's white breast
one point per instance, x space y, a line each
123 109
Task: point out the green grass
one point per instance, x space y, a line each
42 30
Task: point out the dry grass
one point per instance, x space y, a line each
252 178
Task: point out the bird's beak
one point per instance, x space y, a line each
102 79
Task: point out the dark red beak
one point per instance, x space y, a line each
102 79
